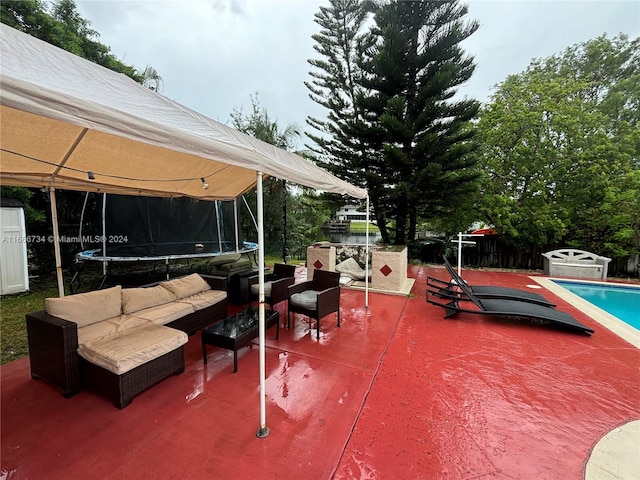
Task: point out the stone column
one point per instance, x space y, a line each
321 258
389 268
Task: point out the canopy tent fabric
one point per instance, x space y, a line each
63 117
67 123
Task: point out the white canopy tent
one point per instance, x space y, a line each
67 123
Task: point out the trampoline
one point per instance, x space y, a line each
125 228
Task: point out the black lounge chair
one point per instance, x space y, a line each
449 290
500 307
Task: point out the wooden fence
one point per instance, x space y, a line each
489 251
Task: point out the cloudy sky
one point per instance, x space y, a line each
213 55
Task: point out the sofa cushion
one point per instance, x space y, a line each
134 299
163 314
224 258
108 327
204 299
127 349
255 289
241 263
351 268
186 286
307 299
87 308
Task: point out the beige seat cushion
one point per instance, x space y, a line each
124 350
87 308
108 327
255 289
186 286
163 314
204 299
134 299
307 299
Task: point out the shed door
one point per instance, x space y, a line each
14 276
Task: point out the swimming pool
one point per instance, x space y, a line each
601 315
619 300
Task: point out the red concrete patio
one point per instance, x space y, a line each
397 392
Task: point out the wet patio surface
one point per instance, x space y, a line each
397 392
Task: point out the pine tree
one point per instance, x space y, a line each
342 42
412 75
394 125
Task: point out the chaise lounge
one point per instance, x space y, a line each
452 289
499 307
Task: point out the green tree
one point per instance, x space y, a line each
560 149
276 193
28 16
308 211
60 24
342 42
393 123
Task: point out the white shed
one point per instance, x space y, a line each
14 269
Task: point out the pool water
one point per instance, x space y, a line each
620 301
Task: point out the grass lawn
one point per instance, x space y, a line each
361 227
13 308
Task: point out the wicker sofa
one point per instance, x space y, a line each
120 341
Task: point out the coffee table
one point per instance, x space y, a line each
237 331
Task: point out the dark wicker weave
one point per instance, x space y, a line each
282 277
52 347
122 388
327 284
53 344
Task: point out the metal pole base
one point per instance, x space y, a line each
262 432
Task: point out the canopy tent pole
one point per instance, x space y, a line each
235 223
54 210
366 260
80 227
104 235
217 207
56 240
263 431
285 250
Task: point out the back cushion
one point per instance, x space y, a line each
186 286
87 308
225 258
134 299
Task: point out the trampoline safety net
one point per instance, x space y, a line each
155 227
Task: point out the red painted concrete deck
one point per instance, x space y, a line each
396 393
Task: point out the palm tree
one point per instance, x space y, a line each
258 124
151 79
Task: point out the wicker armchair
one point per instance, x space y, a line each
316 298
275 284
